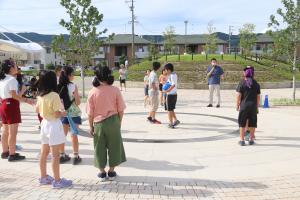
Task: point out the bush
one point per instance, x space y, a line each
50 66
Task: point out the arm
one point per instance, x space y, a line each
91 124
19 97
258 101
76 96
60 114
210 72
121 114
170 89
238 101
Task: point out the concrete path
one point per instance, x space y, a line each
198 160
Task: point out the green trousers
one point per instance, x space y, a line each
108 141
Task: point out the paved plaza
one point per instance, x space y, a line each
198 160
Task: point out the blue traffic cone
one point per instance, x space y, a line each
266 102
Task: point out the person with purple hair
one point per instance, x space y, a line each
248 99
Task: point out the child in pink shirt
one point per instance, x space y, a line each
105 109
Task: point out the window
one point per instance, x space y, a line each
37 62
48 50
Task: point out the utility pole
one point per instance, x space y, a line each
185 45
132 27
229 39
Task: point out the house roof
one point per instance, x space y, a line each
264 38
126 39
194 39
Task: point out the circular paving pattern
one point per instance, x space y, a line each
194 127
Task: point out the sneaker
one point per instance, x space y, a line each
112 175
251 142
171 126
155 121
15 157
242 143
176 123
102 176
209 105
4 155
218 106
150 119
62 183
247 135
77 160
65 158
46 181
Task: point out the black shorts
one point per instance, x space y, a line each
146 90
249 114
122 80
160 87
171 100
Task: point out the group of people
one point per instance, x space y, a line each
163 91
57 106
247 103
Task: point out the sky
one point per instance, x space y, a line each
153 16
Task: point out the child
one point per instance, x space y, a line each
10 110
248 99
68 92
122 76
153 93
162 80
52 135
171 98
105 109
146 87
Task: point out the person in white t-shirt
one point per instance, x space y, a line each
171 98
122 76
10 110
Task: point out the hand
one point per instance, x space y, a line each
92 131
237 108
63 113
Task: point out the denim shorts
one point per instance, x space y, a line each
77 120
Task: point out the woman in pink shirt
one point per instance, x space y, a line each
105 109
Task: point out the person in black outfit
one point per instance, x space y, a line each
248 99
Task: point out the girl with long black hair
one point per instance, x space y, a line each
68 92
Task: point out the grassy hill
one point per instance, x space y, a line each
194 71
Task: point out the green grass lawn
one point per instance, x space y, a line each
193 69
285 102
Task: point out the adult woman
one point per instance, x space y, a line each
105 108
248 99
10 110
68 92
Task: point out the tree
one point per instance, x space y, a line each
211 39
247 38
287 39
169 40
83 42
153 51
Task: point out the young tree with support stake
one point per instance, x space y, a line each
247 38
211 39
287 39
169 40
83 42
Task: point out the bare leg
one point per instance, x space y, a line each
4 139
43 160
111 169
66 130
170 116
12 138
75 143
55 161
242 133
252 131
